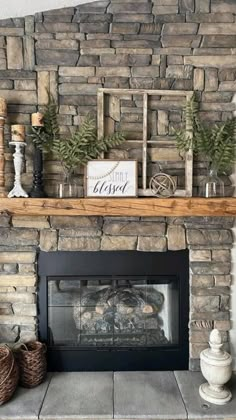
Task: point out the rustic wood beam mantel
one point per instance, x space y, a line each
119 206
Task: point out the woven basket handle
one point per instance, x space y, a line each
12 364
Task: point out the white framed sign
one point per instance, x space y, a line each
111 178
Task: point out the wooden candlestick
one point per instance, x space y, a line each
3 114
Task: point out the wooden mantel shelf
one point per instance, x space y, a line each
119 206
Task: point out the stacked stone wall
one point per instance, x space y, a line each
209 241
159 44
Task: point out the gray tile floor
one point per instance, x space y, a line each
119 395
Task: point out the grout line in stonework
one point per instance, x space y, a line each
41 406
181 395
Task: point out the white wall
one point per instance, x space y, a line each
21 8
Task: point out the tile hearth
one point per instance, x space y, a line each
118 395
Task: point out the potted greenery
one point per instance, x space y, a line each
216 143
75 150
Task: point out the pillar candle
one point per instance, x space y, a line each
3 107
18 132
37 119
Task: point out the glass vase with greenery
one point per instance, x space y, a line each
216 143
77 149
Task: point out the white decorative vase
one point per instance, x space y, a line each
216 367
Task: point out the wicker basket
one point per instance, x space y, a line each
32 363
9 374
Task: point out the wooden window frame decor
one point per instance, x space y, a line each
145 94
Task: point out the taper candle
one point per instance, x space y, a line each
37 119
17 132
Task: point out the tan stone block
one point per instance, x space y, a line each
97 51
37 222
200 255
114 108
211 80
152 244
135 51
180 28
199 336
17 320
196 348
205 303
17 257
131 228
18 32
221 255
16 280
28 49
70 222
79 244
151 71
48 240
118 243
162 123
25 85
198 79
14 53
27 268
164 154
176 238
43 87
164 10
156 60
202 6
112 71
24 309
217 29
17 297
219 6
223 280
26 336
76 71
19 97
222 325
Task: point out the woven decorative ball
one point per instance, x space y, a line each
32 363
162 185
9 374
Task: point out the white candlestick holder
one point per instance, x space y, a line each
18 190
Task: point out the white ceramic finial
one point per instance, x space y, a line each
216 368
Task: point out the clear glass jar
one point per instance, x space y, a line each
68 187
212 185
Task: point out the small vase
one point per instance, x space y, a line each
68 188
212 185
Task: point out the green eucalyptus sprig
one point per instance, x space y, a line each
217 143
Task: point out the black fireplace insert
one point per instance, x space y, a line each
114 310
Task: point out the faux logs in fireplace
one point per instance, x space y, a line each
114 310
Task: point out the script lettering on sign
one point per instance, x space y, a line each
109 178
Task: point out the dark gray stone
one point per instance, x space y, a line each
64 58
17 74
147 395
56 27
89 60
196 407
89 17
82 100
218 41
98 27
79 395
187 6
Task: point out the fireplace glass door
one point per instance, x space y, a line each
125 311
114 310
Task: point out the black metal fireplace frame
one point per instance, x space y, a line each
116 263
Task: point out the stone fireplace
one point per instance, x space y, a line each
208 240
183 45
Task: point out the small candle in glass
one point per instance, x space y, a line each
18 132
37 119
